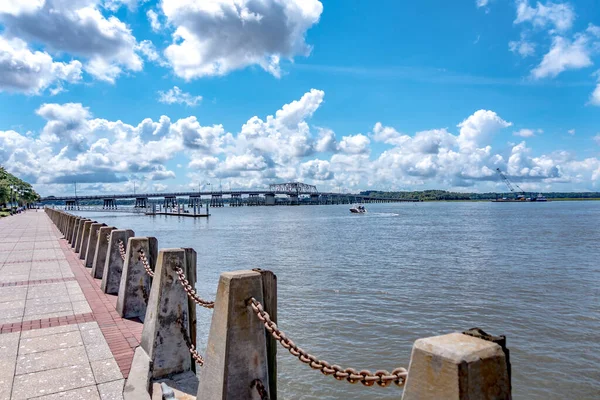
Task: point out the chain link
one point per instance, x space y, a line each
195 355
145 263
260 389
191 292
366 377
108 237
122 250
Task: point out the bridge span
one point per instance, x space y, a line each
294 193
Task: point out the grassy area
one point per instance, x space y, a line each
4 214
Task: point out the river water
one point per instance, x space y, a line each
358 290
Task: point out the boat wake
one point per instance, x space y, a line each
384 214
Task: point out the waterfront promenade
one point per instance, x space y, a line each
60 336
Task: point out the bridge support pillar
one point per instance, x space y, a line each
216 200
254 199
110 204
314 198
236 200
270 199
170 202
141 202
195 201
293 200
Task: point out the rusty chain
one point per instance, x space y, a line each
191 292
108 237
366 377
260 389
145 263
195 355
122 250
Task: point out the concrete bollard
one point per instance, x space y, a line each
166 333
236 353
457 367
74 234
74 225
79 237
90 252
85 238
134 289
69 228
113 266
101 252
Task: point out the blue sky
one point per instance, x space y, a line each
352 94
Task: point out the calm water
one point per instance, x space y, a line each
358 290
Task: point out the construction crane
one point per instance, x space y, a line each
510 186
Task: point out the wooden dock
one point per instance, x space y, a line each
180 214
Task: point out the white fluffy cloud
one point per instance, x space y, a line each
218 36
527 132
564 54
114 5
355 144
477 128
560 16
75 27
595 96
76 146
523 47
154 21
177 96
31 72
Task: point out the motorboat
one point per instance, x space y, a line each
540 197
358 209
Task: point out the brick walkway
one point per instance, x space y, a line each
60 336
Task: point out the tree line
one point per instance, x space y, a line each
22 192
443 195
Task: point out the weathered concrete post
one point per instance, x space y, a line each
192 276
164 350
101 252
74 225
166 325
236 353
134 289
69 228
113 266
61 222
80 235
85 239
77 233
457 367
92 243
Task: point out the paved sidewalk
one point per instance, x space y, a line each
60 336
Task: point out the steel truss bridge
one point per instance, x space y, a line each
293 193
